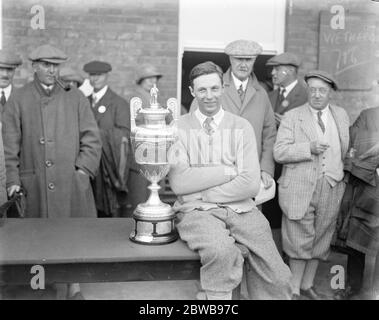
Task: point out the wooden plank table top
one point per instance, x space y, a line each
80 240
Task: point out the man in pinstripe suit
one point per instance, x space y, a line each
311 144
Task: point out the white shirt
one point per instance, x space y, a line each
238 82
47 88
7 91
217 118
324 115
288 88
96 96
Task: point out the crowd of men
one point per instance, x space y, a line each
71 155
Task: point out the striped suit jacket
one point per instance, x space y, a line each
301 168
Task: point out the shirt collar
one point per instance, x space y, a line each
289 88
217 118
50 87
238 82
98 95
324 111
7 91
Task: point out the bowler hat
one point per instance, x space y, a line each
48 53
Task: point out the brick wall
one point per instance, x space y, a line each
302 38
125 33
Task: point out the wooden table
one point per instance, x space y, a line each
80 250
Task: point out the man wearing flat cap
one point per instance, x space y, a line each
112 114
291 93
52 144
245 97
311 145
9 61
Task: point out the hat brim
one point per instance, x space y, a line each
273 64
51 60
243 56
149 76
8 66
327 80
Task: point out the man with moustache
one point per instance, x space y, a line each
112 114
311 144
215 172
290 93
245 97
9 61
52 145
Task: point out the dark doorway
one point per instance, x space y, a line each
192 58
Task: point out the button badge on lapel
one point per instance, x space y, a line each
102 109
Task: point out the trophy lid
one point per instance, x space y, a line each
154 108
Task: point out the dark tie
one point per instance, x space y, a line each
3 100
241 93
207 125
320 122
278 106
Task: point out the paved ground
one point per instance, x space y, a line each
172 290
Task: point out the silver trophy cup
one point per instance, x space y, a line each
153 220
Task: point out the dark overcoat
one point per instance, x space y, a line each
358 222
112 114
47 137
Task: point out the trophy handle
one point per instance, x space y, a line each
172 104
135 106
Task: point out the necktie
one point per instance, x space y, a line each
241 93
3 100
281 94
320 122
94 101
207 125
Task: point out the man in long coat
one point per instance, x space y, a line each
311 144
52 144
9 61
245 97
112 115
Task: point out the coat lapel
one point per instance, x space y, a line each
230 93
307 123
105 101
342 127
250 92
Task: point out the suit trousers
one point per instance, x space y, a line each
213 234
310 236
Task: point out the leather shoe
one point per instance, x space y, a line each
312 294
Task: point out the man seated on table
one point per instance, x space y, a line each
215 172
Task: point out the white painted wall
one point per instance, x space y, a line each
209 25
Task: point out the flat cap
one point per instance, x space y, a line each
97 67
69 74
147 71
323 75
243 49
9 60
48 53
285 58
